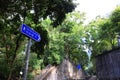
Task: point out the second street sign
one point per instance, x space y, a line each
26 30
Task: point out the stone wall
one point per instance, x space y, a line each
65 71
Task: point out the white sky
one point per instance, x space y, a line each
93 8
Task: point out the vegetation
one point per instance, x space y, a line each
13 13
63 34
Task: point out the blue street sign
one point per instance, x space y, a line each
26 30
78 66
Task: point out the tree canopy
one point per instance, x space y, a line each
62 34
55 9
13 13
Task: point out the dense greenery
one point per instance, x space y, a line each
63 35
66 40
104 32
15 12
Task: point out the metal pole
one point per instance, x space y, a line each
27 59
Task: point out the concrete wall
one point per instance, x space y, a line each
65 71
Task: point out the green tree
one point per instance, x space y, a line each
102 34
67 40
13 13
115 19
74 44
99 34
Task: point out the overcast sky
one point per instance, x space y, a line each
93 8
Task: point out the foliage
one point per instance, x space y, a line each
15 12
70 37
97 36
78 41
55 9
67 40
115 18
104 32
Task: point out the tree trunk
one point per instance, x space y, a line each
10 74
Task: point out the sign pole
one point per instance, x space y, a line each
32 34
27 59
